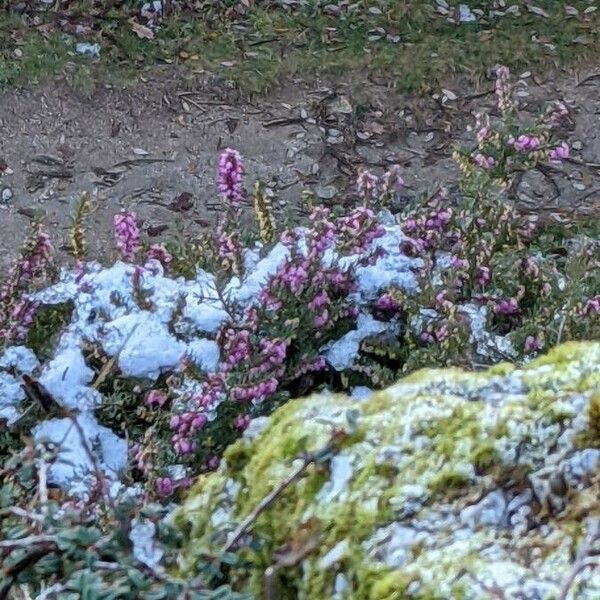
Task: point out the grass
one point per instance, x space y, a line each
268 43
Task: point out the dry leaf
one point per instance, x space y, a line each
141 31
536 10
140 152
449 94
571 10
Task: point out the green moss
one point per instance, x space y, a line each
484 457
48 323
429 440
391 586
448 481
237 456
590 438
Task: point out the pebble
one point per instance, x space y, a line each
326 192
88 49
6 194
579 186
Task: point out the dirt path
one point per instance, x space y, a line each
142 148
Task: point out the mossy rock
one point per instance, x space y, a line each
450 484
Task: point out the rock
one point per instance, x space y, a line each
339 105
326 192
465 15
88 49
448 484
6 194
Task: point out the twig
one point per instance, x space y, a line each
241 529
23 514
57 588
106 369
206 102
581 560
561 327
283 121
31 540
586 195
477 95
43 481
588 78
413 151
140 160
196 104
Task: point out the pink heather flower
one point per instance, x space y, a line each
213 462
156 398
442 333
560 152
459 263
159 253
236 347
308 366
484 162
198 422
165 486
230 174
230 248
386 303
20 319
128 235
275 351
558 112
241 422
527 143
531 268
441 300
482 134
482 275
592 306
366 184
504 90
183 445
507 307
532 344
358 230
427 338
320 300
392 181
322 319
546 290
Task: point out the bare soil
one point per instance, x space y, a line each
153 148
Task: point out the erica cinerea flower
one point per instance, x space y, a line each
159 253
504 90
230 250
231 171
560 153
392 183
484 162
17 310
527 143
127 233
366 184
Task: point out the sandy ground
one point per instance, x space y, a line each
153 148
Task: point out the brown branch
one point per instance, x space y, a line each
242 528
581 559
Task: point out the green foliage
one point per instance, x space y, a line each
84 550
48 323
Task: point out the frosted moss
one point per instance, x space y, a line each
450 484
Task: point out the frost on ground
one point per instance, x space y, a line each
149 322
450 485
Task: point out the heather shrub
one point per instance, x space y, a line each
481 283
